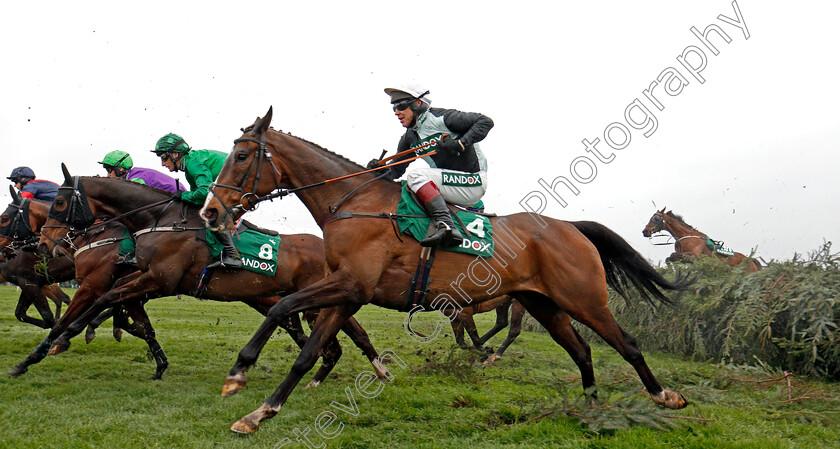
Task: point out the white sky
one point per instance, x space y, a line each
748 157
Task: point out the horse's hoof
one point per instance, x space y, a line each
381 371
312 384
58 348
491 360
159 373
670 399
18 370
245 426
118 334
89 336
251 422
233 384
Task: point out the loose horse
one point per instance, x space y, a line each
691 242
556 269
172 260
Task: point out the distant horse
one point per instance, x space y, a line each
502 306
554 268
690 242
172 259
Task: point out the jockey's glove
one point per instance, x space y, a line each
177 195
448 146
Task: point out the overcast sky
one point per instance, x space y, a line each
748 156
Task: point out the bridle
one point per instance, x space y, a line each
658 220
249 200
20 231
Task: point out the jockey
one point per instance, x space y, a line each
40 189
201 167
457 172
118 164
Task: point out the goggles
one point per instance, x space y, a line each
402 105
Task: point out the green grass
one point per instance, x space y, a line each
100 395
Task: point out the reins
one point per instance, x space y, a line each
253 200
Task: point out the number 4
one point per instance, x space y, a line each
477 227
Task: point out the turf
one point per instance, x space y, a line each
100 395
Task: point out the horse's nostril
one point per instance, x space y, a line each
209 213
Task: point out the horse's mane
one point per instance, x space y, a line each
319 147
678 218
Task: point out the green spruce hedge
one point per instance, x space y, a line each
784 316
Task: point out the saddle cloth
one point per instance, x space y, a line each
478 238
257 247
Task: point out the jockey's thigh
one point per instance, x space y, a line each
456 187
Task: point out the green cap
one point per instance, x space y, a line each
171 143
118 158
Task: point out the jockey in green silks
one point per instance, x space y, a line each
201 168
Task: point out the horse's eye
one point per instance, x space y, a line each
241 156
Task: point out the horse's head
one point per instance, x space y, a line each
15 225
248 173
70 210
655 224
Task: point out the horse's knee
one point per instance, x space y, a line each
278 313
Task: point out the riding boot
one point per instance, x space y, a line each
230 256
446 234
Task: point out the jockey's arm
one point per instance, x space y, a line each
202 178
471 126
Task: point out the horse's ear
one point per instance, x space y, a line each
15 195
262 123
662 211
67 178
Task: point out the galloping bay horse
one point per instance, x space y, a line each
23 270
171 260
691 242
556 269
19 226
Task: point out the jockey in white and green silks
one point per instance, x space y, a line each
457 173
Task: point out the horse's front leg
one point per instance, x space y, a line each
325 330
136 286
335 289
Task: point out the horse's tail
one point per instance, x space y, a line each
622 263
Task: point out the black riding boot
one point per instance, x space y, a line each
446 234
230 256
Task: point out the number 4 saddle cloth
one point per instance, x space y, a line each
478 237
257 247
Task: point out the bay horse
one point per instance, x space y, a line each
22 222
172 259
19 227
556 269
691 242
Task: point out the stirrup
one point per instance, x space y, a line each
227 263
